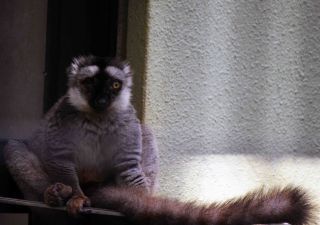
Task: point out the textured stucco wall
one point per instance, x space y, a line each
233 94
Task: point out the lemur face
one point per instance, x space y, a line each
98 84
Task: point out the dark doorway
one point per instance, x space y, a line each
78 27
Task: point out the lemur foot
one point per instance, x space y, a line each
57 194
76 203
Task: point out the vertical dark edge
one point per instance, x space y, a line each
144 86
121 48
137 51
52 50
145 59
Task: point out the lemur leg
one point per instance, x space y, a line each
27 171
150 161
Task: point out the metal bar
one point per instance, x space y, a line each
87 210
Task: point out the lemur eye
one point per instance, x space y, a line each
116 85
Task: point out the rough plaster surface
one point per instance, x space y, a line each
233 94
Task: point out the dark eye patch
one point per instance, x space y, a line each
101 84
90 81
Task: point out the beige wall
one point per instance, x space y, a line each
232 93
22 44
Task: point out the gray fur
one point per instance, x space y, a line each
73 141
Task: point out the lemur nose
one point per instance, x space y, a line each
101 101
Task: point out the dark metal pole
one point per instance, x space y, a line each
87 210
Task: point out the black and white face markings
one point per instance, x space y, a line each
99 84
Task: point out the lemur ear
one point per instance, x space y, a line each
127 69
77 63
128 72
75 68
123 67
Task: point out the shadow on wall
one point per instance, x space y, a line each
237 77
274 90
233 95
249 63
309 75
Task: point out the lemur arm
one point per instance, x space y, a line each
127 160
